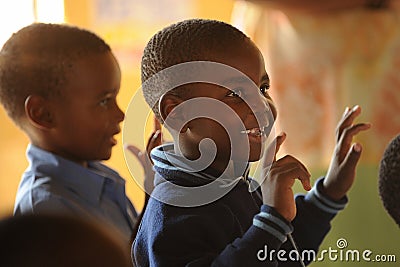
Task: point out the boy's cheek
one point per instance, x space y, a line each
274 110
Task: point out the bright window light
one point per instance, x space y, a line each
14 14
51 11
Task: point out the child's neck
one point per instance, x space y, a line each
231 169
218 166
83 163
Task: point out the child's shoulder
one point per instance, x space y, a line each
236 205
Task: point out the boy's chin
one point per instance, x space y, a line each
105 156
256 154
250 158
254 158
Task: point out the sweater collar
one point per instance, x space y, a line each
173 166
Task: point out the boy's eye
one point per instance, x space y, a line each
264 89
235 93
105 101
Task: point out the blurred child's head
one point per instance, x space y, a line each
59 84
54 240
214 41
389 179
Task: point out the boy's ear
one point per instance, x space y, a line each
38 112
173 117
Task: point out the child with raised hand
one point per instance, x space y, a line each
227 119
59 84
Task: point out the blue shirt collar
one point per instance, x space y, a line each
87 182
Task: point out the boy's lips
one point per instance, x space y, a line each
113 140
256 134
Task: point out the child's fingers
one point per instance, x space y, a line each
347 109
347 138
137 153
293 171
303 175
353 130
352 157
288 159
347 120
272 150
279 141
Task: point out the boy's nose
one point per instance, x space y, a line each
120 115
272 107
263 109
263 104
258 104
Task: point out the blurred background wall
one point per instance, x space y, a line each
127 25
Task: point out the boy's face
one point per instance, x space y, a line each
244 99
87 115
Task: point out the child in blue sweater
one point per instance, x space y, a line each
206 81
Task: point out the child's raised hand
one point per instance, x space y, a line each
342 169
154 140
277 187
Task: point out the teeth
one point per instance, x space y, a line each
255 131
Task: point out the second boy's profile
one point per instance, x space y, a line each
232 229
59 84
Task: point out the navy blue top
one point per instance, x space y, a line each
230 231
57 185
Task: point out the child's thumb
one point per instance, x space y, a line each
279 141
272 149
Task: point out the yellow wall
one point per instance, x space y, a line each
364 223
127 38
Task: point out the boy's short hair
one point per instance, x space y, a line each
59 240
185 41
36 61
389 179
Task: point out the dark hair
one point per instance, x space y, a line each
389 179
185 41
56 240
37 59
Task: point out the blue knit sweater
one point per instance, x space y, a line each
235 230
